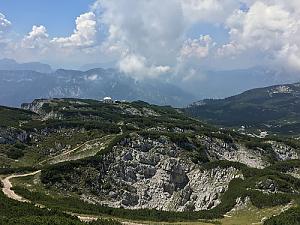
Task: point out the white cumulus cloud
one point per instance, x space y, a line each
199 48
36 38
137 67
4 23
38 45
269 30
147 35
152 36
85 34
215 11
149 38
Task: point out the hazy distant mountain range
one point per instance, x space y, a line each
137 156
17 87
10 64
23 82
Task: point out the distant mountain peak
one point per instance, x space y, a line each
11 64
17 87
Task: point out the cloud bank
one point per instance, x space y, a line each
152 38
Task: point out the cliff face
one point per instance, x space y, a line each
11 136
41 107
35 106
150 173
157 173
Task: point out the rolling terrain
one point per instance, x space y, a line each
275 109
141 162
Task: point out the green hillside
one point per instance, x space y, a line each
276 109
141 162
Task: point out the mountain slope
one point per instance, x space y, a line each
10 64
275 108
17 87
126 156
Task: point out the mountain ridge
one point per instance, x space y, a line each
17 87
11 64
274 108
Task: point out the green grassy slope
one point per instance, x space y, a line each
66 128
275 108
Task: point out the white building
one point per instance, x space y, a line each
108 100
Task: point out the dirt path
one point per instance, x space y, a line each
69 151
66 155
7 190
7 185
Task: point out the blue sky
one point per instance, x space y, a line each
217 32
153 38
57 15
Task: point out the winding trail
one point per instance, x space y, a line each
7 190
69 152
7 185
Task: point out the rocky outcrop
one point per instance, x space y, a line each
154 174
294 172
158 173
218 149
36 106
12 135
150 171
41 107
132 111
284 152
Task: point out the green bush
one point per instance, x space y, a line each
15 153
290 217
18 213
